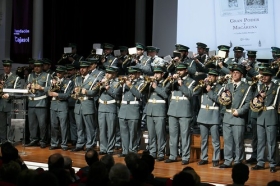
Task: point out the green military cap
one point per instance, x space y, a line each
112 69
93 60
133 69
201 45
157 50
267 72
251 53
238 49
140 46
239 68
47 61
277 53
85 63
213 72
223 47
38 62
158 69
123 48
7 62
182 66
151 48
108 45
180 47
275 49
73 45
263 65
70 67
30 60
60 68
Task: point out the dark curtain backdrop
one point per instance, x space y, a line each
87 22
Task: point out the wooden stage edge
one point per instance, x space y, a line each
207 173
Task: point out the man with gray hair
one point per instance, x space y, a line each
119 175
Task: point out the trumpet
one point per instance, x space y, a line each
93 54
32 86
246 63
77 93
55 85
275 64
129 57
168 79
256 79
213 60
224 79
202 83
64 56
149 79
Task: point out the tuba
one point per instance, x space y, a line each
225 97
56 85
257 104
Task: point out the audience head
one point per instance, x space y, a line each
130 160
140 172
149 159
119 175
240 173
108 160
67 162
44 179
98 174
273 183
191 171
183 178
9 152
10 171
91 156
25 177
55 162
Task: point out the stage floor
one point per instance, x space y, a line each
207 172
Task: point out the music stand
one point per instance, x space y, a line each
18 110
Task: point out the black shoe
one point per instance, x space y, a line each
53 148
32 143
272 169
110 153
73 143
43 146
224 166
257 167
278 164
169 161
64 148
102 153
88 149
185 162
76 149
202 162
215 163
122 155
160 159
252 160
117 148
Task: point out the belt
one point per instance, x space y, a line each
156 101
268 108
85 98
177 98
56 99
107 102
230 110
37 98
207 107
130 102
199 73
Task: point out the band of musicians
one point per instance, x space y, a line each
107 101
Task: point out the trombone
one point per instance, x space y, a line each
64 56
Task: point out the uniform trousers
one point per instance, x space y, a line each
204 133
179 126
107 128
157 135
58 124
128 128
37 118
233 140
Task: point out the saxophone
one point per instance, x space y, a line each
32 89
56 85
77 93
